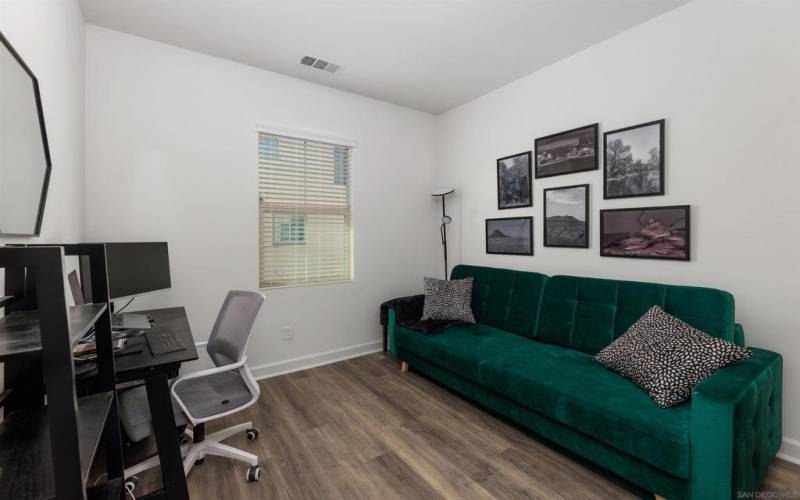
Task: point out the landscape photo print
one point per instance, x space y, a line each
511 236
514 181
566 216
567 152
646 232
634 161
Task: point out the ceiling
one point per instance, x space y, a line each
428 55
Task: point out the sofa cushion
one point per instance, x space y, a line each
666 357
460 348
503 298
572 388
448 300
568 386
587 314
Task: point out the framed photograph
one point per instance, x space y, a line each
514 181
510 236
566 216
634 161
567 152
646 232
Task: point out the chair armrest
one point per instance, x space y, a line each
239 367
736 426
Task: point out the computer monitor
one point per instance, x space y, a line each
137 268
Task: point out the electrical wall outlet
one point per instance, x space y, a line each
288 332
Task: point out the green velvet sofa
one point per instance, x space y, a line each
530 358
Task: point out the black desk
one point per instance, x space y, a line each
156 371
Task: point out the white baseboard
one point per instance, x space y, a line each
312 360
790 450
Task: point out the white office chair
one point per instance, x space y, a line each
206 395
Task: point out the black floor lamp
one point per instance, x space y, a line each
446 219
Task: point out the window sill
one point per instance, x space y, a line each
298 285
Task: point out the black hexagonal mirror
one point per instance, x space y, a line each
24 153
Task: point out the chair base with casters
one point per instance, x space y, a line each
197 398
202 445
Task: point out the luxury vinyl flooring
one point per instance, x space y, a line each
361 429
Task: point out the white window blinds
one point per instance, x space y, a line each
304 211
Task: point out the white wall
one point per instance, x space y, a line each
49 35
725 75
171 154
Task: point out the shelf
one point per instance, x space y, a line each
19 331
92 413
25 456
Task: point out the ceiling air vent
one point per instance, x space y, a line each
320 64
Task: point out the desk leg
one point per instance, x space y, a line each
169 449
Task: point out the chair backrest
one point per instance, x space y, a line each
228 339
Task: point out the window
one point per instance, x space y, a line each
340 165
304 211
288 229
268 146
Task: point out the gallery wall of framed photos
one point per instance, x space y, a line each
633 166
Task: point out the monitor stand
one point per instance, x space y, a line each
130 321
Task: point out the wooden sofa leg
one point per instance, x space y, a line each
403 366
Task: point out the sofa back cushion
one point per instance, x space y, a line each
587 314
503 298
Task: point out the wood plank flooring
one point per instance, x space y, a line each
361 429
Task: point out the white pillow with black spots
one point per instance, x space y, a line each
448 300
667 357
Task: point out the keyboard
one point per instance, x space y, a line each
162 341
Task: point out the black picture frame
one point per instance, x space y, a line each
586 220
528 183
43 131
662 181
583 166
529 220
606 240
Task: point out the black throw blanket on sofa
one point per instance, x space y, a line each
409 312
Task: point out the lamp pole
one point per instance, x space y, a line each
444 237
443 192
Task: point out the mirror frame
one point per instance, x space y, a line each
45 145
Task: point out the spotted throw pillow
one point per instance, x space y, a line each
448 300
667 357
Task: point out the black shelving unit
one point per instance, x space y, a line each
50 437
20 333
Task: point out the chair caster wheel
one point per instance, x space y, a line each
253 473
252 434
